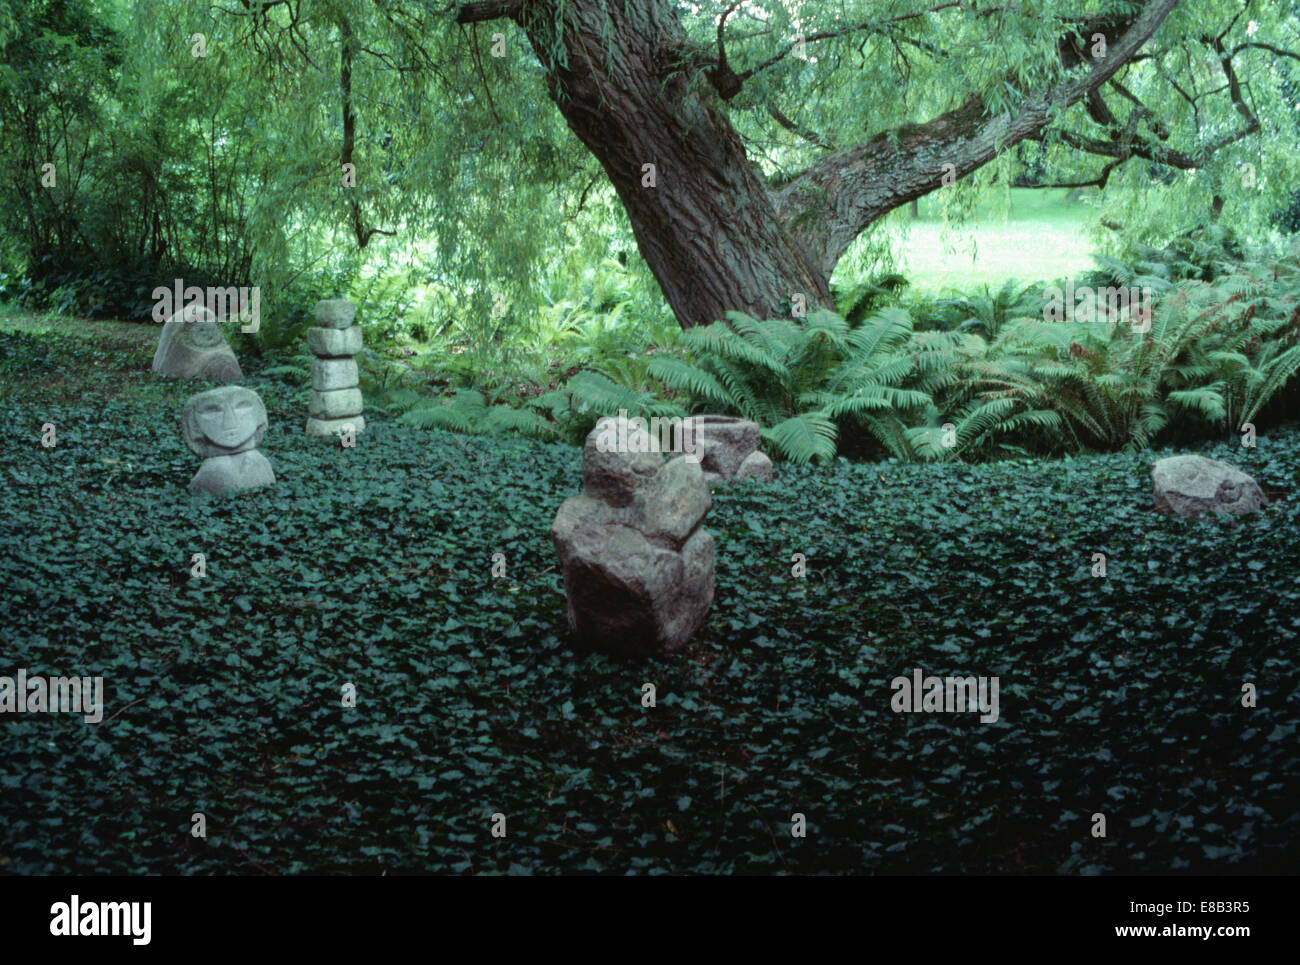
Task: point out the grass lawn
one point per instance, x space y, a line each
371 568
1042 238
109 333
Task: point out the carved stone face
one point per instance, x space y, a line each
224 421
192 344
201 335
200 329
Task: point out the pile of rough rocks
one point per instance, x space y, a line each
638 566
727 448
336 402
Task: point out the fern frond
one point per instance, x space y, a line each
1206 402
722 342
505 418
685 377
803 438
883 332
877 398
1276 374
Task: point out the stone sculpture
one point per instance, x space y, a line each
336 401
192 345
224 427
638 566
728 448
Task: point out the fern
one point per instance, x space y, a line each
1206 402
1276 373
803 438
468 412
692 379
1224 339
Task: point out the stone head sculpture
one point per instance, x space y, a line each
222 422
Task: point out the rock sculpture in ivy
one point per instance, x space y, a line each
224 427
192 346
638 564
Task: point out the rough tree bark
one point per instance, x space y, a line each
707 227
635 93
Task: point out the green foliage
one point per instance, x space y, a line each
1215 354
373 566
1202 253
1006 381
861 300
616 387
801 381
987 313
227 165
583 354
469 412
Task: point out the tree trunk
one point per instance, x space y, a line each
702 217
652 111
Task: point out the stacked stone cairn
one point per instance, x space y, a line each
335 398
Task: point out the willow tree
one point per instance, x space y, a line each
650 95
749 144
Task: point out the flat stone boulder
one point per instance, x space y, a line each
1192 485
334 342
637 562
336 313
193 346
725 445
224 427
335 404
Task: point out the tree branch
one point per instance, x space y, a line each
1099 181
723 78
807 133
1269 47
1125 147
347 48
485 10
840 32
834 200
